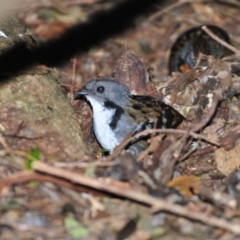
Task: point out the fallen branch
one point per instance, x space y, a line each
154 203
26 176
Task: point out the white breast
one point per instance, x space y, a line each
102 117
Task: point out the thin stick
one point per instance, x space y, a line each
146 132
174 131
215 37
129 139
26 176
80 164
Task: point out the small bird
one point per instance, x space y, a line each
117 113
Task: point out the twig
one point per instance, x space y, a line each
129 139
16 133
80 164
174 131
186 155
201 217
151 131
203 151
215 37
154 203
26 176
228 143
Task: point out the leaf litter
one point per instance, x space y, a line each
185 185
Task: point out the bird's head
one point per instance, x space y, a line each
105 89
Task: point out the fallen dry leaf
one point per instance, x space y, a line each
130 70
187 185
227 161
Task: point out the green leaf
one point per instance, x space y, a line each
33 155
32 183
70 222
103 150
74 228
198 175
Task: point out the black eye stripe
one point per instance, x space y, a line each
100 89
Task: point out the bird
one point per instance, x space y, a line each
117 113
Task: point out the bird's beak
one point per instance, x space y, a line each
80 93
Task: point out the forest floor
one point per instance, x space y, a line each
185 185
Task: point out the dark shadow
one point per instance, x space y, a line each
81 38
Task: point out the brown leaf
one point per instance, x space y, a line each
227 161
130 70
187 185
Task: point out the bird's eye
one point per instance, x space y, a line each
100 89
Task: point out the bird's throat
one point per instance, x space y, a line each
103 124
